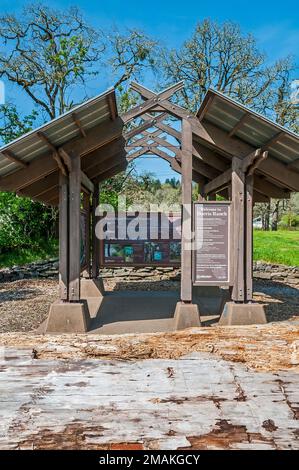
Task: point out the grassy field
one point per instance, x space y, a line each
280 247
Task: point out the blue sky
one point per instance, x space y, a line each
274 23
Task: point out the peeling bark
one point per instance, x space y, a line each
198 401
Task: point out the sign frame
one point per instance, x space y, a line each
228 281
141 243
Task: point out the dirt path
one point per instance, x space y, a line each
24 304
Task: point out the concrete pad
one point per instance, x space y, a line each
243 314
135 311
138 326
120 312
68 317
186 316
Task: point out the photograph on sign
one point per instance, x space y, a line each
160 245
175 251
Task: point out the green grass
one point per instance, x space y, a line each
38 251
281 247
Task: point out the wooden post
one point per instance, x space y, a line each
86 207
74 230
242 311
248 236
63 237
238 195
95 242
186 255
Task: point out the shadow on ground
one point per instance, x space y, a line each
22 294
282 300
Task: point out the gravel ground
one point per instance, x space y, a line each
24 304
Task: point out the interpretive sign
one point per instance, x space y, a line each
153 239
211 260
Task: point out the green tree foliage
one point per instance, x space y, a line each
289 221
47 53
51 54
222 57
13 124
23 223
173 182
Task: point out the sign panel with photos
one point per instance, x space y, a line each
158 243
211 255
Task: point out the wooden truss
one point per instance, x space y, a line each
211 160
151 135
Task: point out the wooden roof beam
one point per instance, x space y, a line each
99 168
239 124
152 99
204 169
157 142
257 162
137 154
112 172
147 94
86 182
197 178
98 136
218 183
145 136
269 189
165 127
78 124
101 157
174 163
217 138
139 110
10 156
294 165
273 140
112 107
206 107
56 155
250 160
259 197
152 122
41 186
209 157
42 166
46 140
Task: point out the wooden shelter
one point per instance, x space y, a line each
225 148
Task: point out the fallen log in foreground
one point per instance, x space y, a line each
209 388
262 347
195 402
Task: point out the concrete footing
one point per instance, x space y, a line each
186 316
243 314
68 317
91 288
210 299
